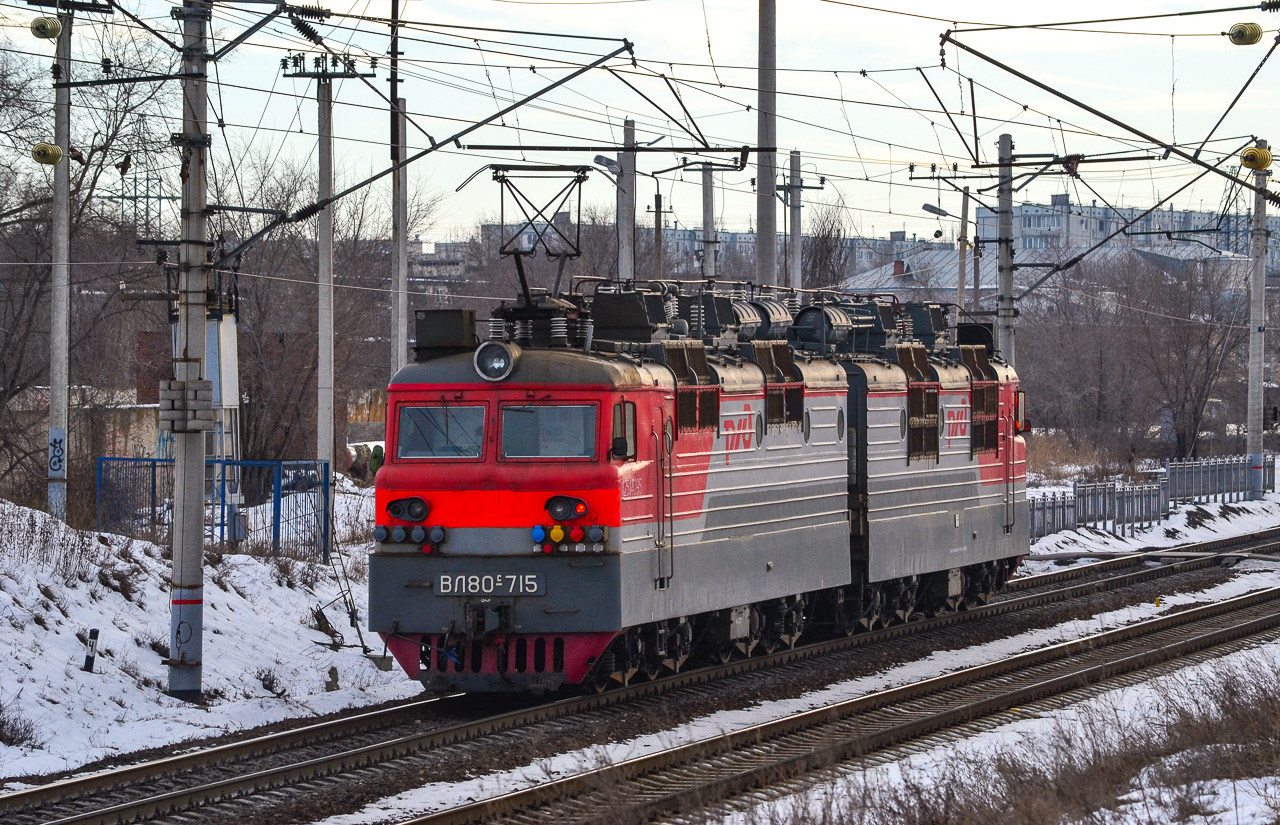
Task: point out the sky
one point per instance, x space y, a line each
858 133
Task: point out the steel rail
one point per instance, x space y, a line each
45 795
666 782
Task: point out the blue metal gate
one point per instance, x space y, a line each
281 506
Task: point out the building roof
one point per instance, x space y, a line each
934 270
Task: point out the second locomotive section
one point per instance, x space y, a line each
684 473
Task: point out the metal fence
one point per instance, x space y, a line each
282 506
1124 508
1215 479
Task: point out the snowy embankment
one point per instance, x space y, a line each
264 658
1200 523
1188 524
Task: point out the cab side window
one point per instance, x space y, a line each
623 446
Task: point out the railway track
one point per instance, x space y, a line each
691 776
199 778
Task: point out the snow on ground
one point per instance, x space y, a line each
263 661
1189 523
1133 710
1254 575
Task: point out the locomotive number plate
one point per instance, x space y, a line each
491 584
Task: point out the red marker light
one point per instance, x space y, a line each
580 509
576 534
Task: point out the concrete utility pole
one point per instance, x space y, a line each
709 242
400 245
1257 332
399 208
627 204
767 138
324 244
187 401
659 264
794 187
963 242
60 289
1004 307
977 269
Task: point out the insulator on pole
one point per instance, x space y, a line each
46 28
1255 157
46 153
1245 34
306 30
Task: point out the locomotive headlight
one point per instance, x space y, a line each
563 508
494 360
408 509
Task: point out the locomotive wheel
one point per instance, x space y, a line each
603 675
722 652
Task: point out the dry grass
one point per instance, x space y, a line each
1100 765
1053 458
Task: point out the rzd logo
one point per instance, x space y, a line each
739 432
957 425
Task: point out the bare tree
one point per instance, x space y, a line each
825 254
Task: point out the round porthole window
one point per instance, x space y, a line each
840 425
805 426
902 424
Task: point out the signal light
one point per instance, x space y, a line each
547 548
427 548
575 535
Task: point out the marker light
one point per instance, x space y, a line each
557 534
418 535
380 533
563 508
547 548
427 548
539 534
575 535
397 534
596 534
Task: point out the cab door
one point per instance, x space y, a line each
663 443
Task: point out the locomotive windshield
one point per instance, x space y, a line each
440 432
549 432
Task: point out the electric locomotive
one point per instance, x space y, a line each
611 484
